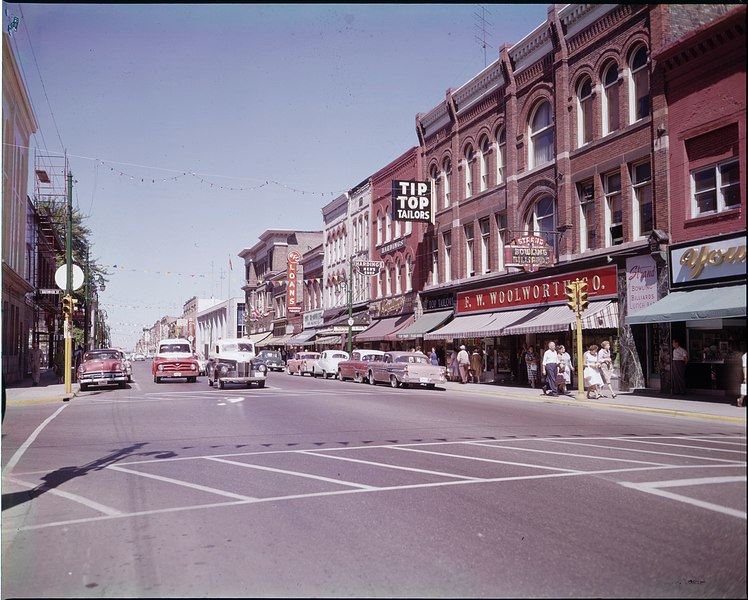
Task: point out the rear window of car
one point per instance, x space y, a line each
338 355
175 348
270 354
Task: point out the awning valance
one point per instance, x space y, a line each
694 305
274 341
384 329
256 338
428 322
562 318
302 337
330 340
465 326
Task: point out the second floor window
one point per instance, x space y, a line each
542 220
541 135
610 99
447 177
613 210
469 248
447 237
584 112
485 239
715 189
484 151
641 179
588 216
501 157
434 260
501 239
639 85
469 162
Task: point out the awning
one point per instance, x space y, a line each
562 318
384 329
302 337
428 322
482 325
256 338
274 341
330 340
694 305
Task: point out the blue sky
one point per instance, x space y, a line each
290 105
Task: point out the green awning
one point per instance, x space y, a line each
428 322
694 305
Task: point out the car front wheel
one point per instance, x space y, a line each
371 378
393 381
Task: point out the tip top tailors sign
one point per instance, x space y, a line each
411 201
529 252
292 288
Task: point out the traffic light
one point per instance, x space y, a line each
67 306
583 301
571 292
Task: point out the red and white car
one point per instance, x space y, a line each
174 359
102 367
357 368
302 362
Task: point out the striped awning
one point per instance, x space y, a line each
466 326
428 322
274 341
598 315
301 338
256 338
384 329
330 340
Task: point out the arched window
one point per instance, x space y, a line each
398 278
541 220
501 156
380 229
409 274
484 150
388 272
610 99
469 162
584 112
436 181
387 226
638 85
541 135
447 177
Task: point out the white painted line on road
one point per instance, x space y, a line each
194 486
654 488
235 400
107 510
388 466
723 460
489 460
716 440
30 440
679 445
344 492
294 473
570 454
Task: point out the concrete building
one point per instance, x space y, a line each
219 321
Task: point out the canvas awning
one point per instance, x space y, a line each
428 322
330 340
256 338
274 341
694 305
384 329
482 325
598 315
301 338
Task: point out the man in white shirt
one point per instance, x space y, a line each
550 366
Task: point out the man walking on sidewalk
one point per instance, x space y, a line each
463 361
550 366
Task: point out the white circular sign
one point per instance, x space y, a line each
61 277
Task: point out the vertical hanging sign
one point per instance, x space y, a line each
292 306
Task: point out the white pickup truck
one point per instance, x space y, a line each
233 361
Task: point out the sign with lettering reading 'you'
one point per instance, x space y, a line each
411 201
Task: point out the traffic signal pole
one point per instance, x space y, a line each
576 291
68 328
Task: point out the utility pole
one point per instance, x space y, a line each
68 331
350 304
576 291
87 300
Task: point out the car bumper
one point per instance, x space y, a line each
241 379
102 378
415 380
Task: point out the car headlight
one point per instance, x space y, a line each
82 369
193 367
160 367
262 368
224 369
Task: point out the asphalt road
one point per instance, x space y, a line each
337 489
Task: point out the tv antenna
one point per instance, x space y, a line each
481 33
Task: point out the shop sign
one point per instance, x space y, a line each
292 305
641 283
698 262
392 307
392 246
411 201
440 302
368 268
601 283
529 252
313 318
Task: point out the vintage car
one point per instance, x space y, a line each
327 364
126 364
102 367
202 363
174 359
273 359
357 367
405 369
301 363
233 360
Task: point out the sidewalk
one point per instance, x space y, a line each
48 390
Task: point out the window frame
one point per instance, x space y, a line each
469 232
719 200
586 205
544 132
501 156
638 188
638 76
611 91
585 111
611 194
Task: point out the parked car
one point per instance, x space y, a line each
327 364
273 360
202 363
127 365
357 367
301 363
138 356
233 360
102 367
405 369
174 359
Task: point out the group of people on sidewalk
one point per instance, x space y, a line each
556 368
465 367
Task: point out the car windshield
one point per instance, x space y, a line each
339 355
371 357
99 355
412 358
269 354
175 348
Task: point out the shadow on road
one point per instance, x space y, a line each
60 476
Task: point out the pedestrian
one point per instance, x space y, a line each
463 361
742 385
522 369
59 365
433 357
77 359
605 361
550 368
592 379
476 366
565 366
680 359
453 367
36 363
531 360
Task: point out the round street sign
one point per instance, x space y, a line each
61 277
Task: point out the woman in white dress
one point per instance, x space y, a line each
592 379
605 362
